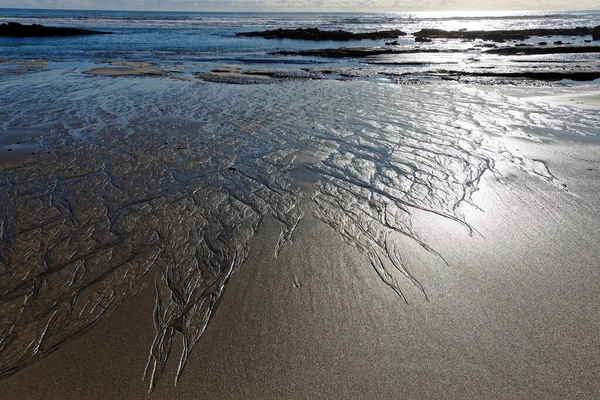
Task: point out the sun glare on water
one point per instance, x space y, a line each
473 20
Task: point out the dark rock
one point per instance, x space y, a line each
13 29
509 51
422 39
502 36
558 42
548 76
356 52
543 43
596 33
394 43
317 34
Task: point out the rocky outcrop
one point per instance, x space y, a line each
548 76
356 52
317 34
596 33
13 29
502 36
511 51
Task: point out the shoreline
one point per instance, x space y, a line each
413 71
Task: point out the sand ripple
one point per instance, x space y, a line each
170 181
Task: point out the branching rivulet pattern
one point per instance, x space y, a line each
177 194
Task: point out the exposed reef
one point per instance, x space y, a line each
549 76
530 50
14 29
124 68
504 35
243 76
317 34
343 52
362 52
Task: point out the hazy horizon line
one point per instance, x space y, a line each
467 10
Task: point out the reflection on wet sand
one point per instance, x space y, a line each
179 192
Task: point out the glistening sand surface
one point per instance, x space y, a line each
375 187
514 317
584 101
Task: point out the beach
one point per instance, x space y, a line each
497 310
513 316
399 226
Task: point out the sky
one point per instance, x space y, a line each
306 5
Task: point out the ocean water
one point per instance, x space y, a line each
190 37
106 181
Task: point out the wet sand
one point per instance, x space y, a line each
503 311
583 101
512 316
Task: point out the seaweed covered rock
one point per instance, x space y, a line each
502 36
317 34
14 29
356 52
511 51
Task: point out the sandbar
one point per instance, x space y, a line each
129 68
